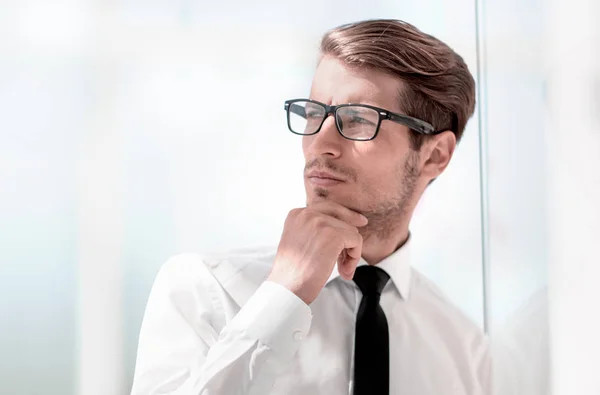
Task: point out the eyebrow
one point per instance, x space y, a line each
367 102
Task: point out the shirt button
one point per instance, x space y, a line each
298 335
212 263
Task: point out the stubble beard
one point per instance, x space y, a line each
385 217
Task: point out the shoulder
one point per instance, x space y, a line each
443 313
464 341
246 267
186 266
256 260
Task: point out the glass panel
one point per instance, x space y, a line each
200 202
209 205
41 108
517 191
189 173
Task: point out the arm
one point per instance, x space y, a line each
182 351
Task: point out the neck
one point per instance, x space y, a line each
376 248
386 231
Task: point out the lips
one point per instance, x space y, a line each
325 176
324 179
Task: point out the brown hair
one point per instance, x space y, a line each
438 87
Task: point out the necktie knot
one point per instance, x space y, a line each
370 280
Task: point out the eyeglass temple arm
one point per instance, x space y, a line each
412 123
298 110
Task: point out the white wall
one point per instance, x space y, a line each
574 195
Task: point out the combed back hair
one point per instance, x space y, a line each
437 85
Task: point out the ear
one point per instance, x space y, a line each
436 153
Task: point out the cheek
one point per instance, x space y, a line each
382 176
305 145
374 177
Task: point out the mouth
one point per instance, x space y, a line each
320 178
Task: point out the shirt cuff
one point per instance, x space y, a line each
275 316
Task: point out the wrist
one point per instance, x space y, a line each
292 286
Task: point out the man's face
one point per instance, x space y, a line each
379 176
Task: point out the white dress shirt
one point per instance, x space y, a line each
213 325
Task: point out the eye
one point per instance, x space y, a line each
314 114
360 120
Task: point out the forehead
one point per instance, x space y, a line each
336 83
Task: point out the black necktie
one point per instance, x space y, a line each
371 345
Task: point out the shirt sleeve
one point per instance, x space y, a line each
182 352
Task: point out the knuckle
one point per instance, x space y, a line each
307 214
319 221
295 212
293 216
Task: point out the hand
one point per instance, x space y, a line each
313 239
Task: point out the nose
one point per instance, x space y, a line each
327 142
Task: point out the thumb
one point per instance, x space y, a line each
347 266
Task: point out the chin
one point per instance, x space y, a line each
314 194
320 195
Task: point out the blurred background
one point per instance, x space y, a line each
135 130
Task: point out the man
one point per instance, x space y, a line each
336 307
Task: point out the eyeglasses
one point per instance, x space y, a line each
358 122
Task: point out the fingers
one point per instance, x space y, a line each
341 213
347 221
337 223
312 238
351 255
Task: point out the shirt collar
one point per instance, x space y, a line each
396 265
